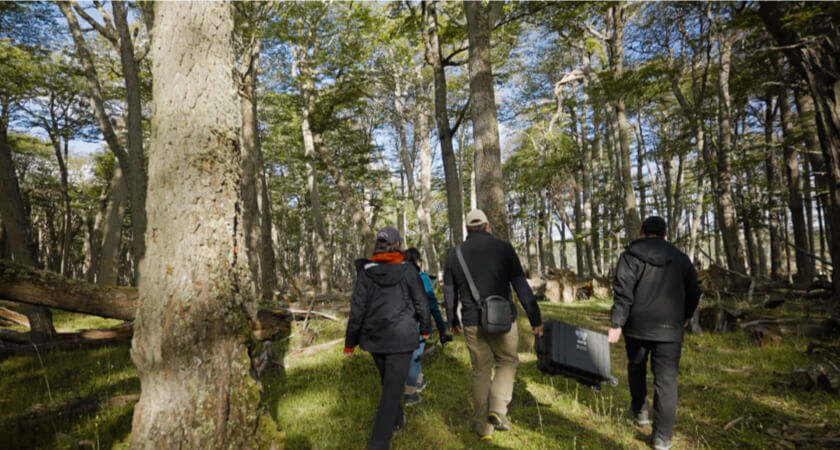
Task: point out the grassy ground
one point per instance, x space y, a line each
326 401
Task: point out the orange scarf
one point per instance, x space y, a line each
388 258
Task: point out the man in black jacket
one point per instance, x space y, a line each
494 267
655 294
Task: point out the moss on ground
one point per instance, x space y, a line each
327 401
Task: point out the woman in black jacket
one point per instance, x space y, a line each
387 304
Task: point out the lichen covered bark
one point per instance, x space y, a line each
196 294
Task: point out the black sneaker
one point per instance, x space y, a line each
641 418
400 423
661 444
412 399
499 421
422 385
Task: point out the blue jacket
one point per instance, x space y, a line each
433 302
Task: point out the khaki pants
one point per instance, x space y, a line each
487 351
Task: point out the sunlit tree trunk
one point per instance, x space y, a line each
434 57
489 183
196 295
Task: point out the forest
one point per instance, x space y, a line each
184 188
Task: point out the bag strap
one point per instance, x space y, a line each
473 289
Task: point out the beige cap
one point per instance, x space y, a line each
476 217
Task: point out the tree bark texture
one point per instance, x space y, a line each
196 293
489 183
454 196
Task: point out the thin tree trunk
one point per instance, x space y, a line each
454 196
800 234
424 211
112 230
773 224
632 223
728 217
489 183
196 295
319 238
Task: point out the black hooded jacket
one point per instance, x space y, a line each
387 304
655 291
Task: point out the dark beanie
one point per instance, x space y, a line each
654 226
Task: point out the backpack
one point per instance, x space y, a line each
495 311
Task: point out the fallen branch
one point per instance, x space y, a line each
13 317
314 349
12 342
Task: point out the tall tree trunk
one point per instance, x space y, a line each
773 225
18 228
112 230
256 215
66 211
727 214
319 238
196 293
632 223
489 183
424 211
131 161
817 63
454 196
797 214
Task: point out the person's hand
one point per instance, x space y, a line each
444 338
456 330
425 336
685 324
348 351
613 335
538 330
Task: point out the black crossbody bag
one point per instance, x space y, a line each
496 312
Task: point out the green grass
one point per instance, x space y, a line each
327 401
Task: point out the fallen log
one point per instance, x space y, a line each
810 327
24 284
12 342
13 317
29 285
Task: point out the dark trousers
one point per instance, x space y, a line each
393 370
664 363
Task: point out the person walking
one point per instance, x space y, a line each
416 381
655 295
389 314
494 267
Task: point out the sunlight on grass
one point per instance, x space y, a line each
328 401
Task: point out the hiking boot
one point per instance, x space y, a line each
412 399
499 421
400 424
484 437
641 418
661 444
421 385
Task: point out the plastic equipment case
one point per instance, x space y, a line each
574 352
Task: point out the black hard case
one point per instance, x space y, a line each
574 352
